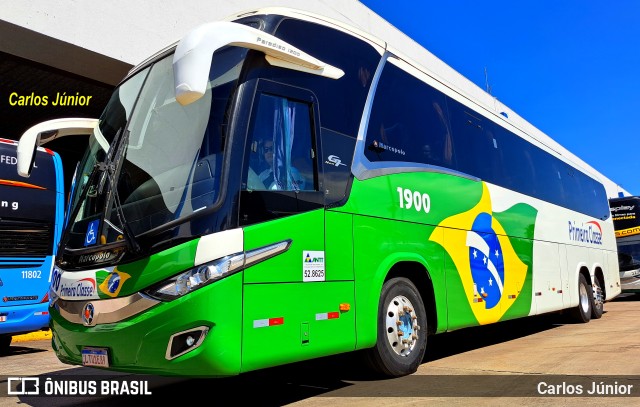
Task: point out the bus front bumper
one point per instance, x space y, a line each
142 343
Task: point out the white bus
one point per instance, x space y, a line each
399 206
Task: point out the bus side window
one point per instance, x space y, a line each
408 121
280 152
280 176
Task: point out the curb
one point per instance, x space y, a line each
32 336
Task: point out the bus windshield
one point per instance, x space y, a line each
164 160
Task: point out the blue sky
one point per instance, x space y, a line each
569 67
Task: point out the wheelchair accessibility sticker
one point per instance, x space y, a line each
92 233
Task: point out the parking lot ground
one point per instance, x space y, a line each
511 363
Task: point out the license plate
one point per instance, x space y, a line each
95 357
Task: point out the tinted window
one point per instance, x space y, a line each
341 100
518 162
280 173
280 156
475 143
408 122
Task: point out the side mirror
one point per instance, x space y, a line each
192 59
47 131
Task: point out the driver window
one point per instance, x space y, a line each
280 146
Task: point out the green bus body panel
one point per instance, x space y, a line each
379 244
339 245
139 344
394 230
306 230
379 197
301 327
143 273
275 290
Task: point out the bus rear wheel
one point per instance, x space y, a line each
597 306
582 313
402 330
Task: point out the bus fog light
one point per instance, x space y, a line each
186 341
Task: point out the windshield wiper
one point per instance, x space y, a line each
108 164
111 165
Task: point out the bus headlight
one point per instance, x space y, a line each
195 278
207 273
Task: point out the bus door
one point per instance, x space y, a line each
291 305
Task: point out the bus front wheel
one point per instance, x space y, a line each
582 313
402 330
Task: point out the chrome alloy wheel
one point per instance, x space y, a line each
584 298
598 295
402 325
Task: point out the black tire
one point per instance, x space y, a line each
582 313
395 358
597 306
5 342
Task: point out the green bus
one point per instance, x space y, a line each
277 187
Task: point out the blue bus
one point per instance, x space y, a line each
31 221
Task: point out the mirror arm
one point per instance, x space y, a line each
38 135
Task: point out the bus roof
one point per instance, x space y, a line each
402 46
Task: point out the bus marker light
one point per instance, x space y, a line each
327 315
261 323
345 306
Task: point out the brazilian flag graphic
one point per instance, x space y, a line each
492 255
110 283
486 260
